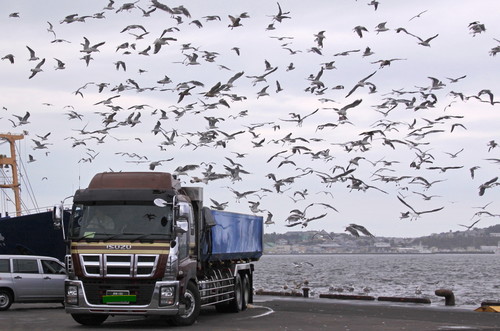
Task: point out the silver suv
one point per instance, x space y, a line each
29 278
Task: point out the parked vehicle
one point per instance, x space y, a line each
140 244
30 278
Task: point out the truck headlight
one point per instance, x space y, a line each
167 295
72 295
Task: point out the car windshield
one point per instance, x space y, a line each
134 222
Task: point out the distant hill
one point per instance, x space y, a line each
467 240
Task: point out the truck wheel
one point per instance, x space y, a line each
89 319
236 304
192 302
5 299
246 292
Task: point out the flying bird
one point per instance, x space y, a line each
33 56
416 213
360 83
489 184
354 229
37 69
9 57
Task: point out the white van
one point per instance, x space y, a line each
29 278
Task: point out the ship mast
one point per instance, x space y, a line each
6 161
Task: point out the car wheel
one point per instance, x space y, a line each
89 319
193 302
5 299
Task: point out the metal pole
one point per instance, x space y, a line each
11 138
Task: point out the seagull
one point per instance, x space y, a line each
89 49
490 95
352 231
492 182
281 15
381 27
417 213
418 15
356 227
443 169
361 83
299 118
426 41
359 30
33 57
9 57
470 226
235 22
218 205
472 171
320 36
454 80
427 197
37 69
60 64
384 63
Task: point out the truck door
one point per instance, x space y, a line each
27 278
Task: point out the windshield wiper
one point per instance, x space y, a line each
89 234
113 236
139 236
147 235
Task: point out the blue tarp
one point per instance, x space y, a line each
234 236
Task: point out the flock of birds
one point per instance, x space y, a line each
300 149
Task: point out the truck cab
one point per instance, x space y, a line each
140 244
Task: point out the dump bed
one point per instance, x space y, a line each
233 236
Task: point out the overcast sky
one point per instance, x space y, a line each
424 110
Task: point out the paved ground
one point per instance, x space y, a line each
275 313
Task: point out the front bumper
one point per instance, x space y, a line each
83 306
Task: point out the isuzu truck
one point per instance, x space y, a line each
139 243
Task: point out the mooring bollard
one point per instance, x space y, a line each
305 290
449 297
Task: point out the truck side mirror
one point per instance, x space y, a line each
181 226
159 202
57 216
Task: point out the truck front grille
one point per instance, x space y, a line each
119 265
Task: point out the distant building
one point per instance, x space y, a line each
488 248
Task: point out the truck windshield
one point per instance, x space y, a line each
134 222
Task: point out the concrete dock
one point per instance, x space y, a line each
276 313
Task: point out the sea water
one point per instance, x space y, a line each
473 278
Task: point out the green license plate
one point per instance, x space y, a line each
117 297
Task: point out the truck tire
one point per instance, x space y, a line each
89 319
5 299
193 303
236 304
245 291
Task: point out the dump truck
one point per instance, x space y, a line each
138 243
